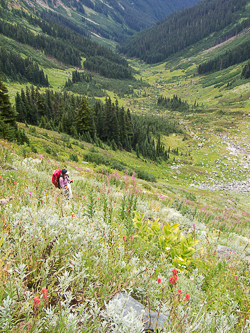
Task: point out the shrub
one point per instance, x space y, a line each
32 129
143 175
95 158
33 149
73 157
65 138
120 166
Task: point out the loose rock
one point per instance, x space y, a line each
151 320
224 252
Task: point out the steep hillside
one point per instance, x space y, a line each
110 19
62 261
212 21
24 35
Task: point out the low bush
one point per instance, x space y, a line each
95 158
142 174
73 157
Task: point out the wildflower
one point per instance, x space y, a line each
27 186
43 192
45 295
159 280
186 298
124 238
174 271
173 280
131 237
36 302
73 215
236 277
30 194
15 183
179 291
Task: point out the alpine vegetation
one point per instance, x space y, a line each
63 261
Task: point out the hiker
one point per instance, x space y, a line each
64 184
61 180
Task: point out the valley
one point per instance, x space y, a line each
157 143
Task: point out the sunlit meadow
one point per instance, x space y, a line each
63 261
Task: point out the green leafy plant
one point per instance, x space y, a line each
168 239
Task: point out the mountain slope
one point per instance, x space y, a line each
214 20
23 33
111 19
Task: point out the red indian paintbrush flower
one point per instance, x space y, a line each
36 302
45 295
173 280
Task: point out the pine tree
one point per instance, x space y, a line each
8 126
137 150
83 116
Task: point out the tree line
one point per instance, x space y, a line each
57 28
183 29
16 68
102 123
66 43
50 46
231 57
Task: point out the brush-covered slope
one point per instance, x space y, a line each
62 261
111 19
26 39
210 20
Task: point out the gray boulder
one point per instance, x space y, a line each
152 320
224 252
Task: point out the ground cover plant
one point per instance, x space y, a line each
62 261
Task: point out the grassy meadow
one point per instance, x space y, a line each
62 261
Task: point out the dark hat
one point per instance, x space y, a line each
64 171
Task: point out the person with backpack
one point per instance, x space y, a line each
61 180
64 183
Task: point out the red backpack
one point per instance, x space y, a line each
55 178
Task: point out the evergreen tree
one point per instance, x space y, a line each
8 126
137 150
83 116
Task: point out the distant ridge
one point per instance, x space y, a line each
110 20
215 19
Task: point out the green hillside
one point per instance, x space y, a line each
110 21
213 21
